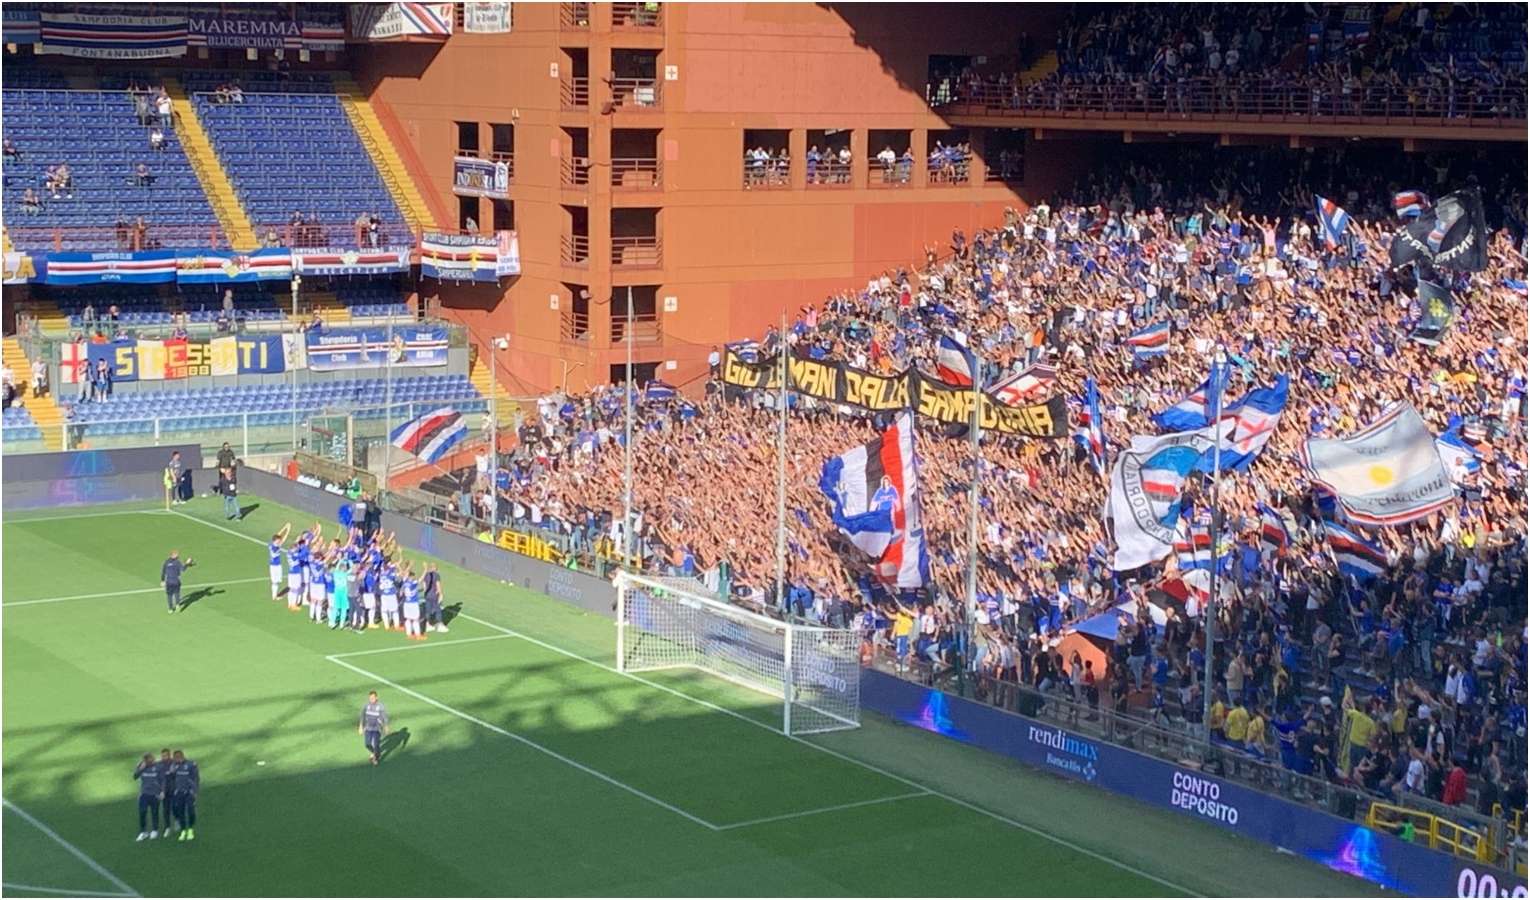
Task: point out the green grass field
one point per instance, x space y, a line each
521 763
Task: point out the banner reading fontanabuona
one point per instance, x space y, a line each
838 382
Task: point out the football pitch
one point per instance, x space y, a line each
520 763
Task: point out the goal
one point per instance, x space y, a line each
675 623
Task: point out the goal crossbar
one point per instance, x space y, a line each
674 623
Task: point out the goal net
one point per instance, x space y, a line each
675 623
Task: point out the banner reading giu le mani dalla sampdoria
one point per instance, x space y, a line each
160 360
838 382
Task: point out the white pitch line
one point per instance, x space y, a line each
76 852
426 646
997 817
528 742
26 520
1030 829
821 810
63 892
153 590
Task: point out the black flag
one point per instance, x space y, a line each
1451 236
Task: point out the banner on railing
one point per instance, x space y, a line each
319 37
837 382
473 177
22 268
141 267
207 266
113 37
394 21
161 360
374 348
332 261
237 32
20 26
470 257
486 18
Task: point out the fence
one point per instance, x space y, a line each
637 251
636 93
766 171
636 173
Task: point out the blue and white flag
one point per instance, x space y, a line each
1150 341
1388 474
873 491
1192 545
1253 420
1356 556
1410 204
954 363
1091 428
1274 536
659 392
1333 220
1195 411
1146 486
431 435
1459 458
748 351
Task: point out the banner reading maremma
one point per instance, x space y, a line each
375 347
470 257
146 360
837 382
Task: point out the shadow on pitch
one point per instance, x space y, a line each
448 613
246 510
198 595
393 743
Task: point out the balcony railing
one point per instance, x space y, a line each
574 16
767 171
636 93
637 251
950 169
637 15
828 173
636 174
1212 100
105 237
576 92
884 174
575 326
337 234
641 327
576 171
575 249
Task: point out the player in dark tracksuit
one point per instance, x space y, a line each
187 784
167 805
151 793
170 578
430 585
374 724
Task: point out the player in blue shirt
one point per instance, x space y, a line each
412 607
316 589
274 552
369 595
387 587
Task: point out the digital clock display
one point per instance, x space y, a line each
1471 884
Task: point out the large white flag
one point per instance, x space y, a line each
1145 489
1388 474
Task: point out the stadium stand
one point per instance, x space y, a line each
98 137
277 147
371 299
16 425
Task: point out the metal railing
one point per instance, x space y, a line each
574 16
950 171
334 234
574 326
641 327
1220 100
767 172
828 172
575 249
575 171
105 237
636 93
637 15
574 92
637 251
636 174
898 173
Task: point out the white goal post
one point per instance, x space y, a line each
676 623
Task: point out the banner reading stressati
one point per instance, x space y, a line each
837 382
148 360
367 348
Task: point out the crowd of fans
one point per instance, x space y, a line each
1456 61
1226 249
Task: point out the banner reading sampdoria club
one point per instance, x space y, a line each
367 348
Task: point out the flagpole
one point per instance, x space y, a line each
387 404
627 443
974 432
1218 376
781 479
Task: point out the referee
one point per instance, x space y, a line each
374 724
170 578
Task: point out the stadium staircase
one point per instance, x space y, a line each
329 307
374 137
1041 68
204 162
481 378
44 410
5 242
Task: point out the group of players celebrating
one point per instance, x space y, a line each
325 577
167 785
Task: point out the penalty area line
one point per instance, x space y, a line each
76 852
822 810
62 892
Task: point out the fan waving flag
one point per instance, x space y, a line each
1091 428
1192 545
1031 383
1333 219
1410 204
954 362
431 435
1388 474
1355 555
1253 420
1195 411
1274 537
659 392
1150 341
875 503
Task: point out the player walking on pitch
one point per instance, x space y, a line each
374 725
187 785
151 793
